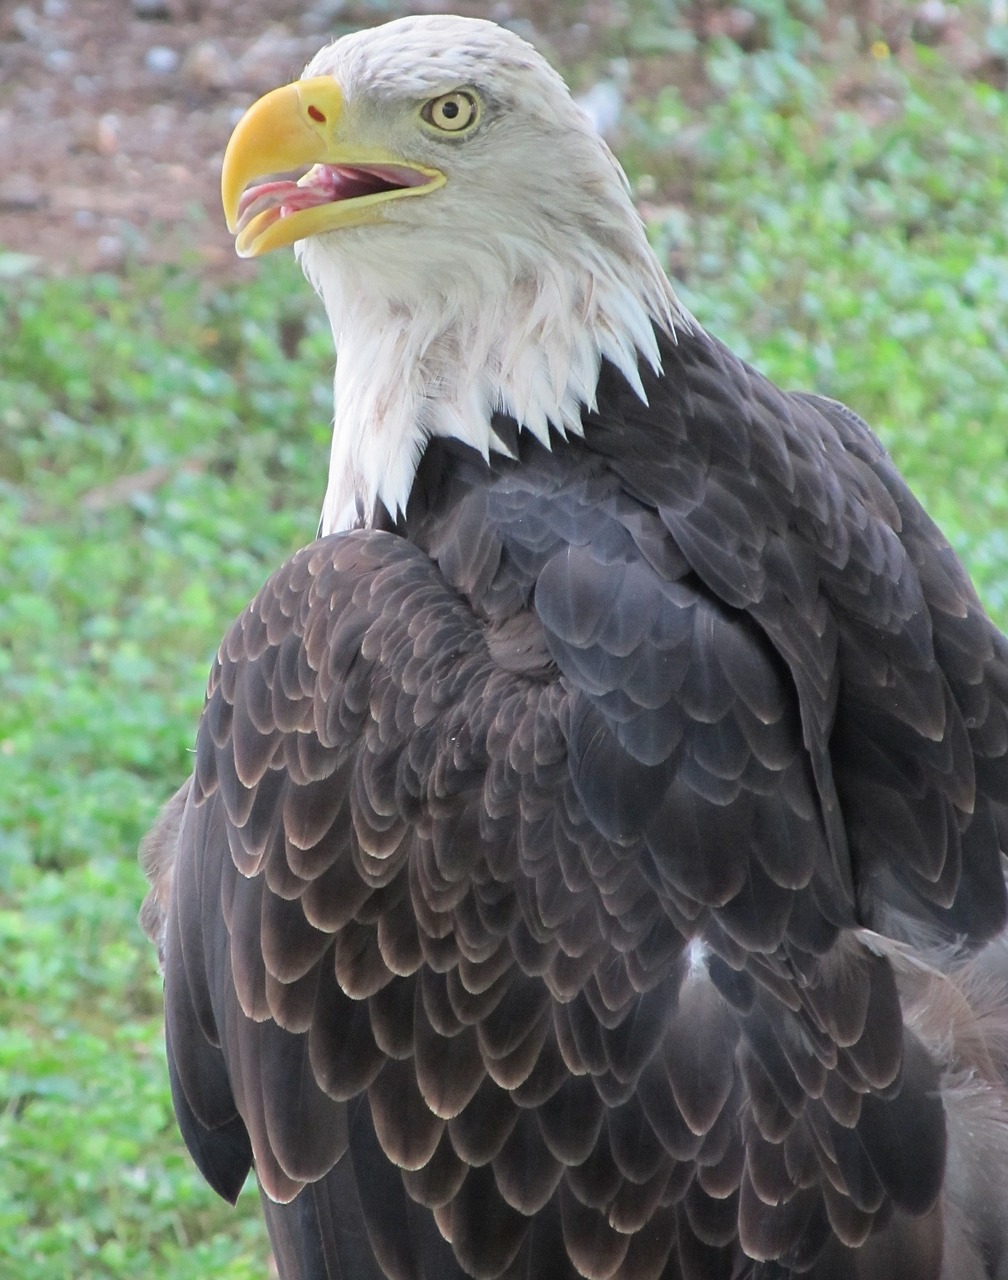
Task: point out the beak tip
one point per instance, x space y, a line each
246 247
230 198
276 133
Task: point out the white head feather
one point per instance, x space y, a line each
501 291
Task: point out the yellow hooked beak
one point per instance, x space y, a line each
299 125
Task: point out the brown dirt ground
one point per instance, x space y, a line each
113 123
114 114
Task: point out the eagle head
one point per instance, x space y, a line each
471 236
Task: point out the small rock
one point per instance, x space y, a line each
931 21
322 15
24 22
163 119
161 60
111 252
120 245
152 10
20 194
107 134
209 67
258 64
59 60
98 134
602 104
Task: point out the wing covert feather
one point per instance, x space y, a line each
515 922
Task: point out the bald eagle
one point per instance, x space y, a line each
593 860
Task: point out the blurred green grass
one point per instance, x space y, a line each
835 213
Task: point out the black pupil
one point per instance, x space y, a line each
450 109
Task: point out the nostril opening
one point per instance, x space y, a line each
316 114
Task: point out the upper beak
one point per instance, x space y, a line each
303 124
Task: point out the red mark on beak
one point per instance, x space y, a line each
316 114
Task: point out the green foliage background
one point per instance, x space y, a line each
837 213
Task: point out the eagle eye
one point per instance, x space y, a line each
451 112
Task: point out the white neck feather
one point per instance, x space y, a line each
425 348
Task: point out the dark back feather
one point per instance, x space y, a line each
546 881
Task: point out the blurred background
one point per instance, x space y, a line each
827 185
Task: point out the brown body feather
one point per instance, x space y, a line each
570 864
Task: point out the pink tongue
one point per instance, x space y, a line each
324 184
267 195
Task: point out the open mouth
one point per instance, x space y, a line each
265 203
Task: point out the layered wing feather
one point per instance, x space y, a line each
517 922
